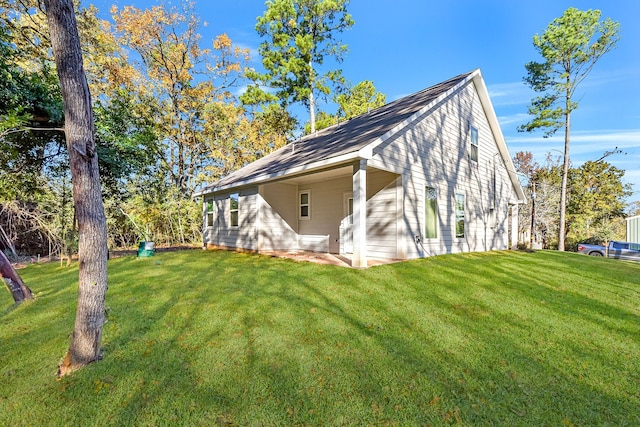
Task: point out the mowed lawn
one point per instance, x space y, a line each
217 338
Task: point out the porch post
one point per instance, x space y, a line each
359 214
514 226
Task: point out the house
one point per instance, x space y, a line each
633 229
424 175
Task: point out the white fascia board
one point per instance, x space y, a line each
199 193
497 133
311 167
366 153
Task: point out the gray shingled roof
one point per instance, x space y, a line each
343 138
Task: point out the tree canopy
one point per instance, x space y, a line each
352 102
300 37
359 99
596 200
166 117
570 47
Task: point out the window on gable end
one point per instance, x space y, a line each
473 144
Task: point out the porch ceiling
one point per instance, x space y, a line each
323 175
320 176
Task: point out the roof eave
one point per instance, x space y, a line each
302 169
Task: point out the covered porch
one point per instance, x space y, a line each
352 212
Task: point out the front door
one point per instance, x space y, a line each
346 225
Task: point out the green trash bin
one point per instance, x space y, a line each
146 249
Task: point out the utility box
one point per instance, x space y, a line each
146 249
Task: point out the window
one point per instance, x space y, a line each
304 209
460 215
473 133
233 209
209 203
348 208
620 245
430 213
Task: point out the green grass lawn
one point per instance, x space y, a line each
220 338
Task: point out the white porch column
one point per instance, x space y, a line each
359 215
514 226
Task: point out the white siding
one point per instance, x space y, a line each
327 210
314 243
633 229
382 224
278 217
434 151
244 236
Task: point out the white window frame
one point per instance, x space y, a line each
437 227
236 197
307 205
458 217
474 146
210 211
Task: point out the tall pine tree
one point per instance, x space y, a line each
570 47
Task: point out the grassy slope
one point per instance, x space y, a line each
198 338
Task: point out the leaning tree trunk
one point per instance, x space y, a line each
87 197
18 289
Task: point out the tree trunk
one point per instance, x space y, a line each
533 214
18 289
312 113
312 102
565 176
87 197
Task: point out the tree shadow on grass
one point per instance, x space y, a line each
245 338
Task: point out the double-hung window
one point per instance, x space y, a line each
233 209
430 213
304 206
209 203
460 216
473 144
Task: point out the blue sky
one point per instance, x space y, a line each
404 46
